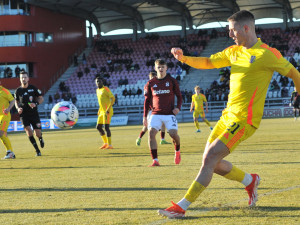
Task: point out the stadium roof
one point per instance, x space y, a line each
109 15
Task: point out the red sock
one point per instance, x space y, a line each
141 134
154 153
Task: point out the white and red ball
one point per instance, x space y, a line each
64 114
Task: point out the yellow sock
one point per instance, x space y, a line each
109 140
104 138
197 124
6 142
207 122
194 191
235 174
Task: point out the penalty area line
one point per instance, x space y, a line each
200 212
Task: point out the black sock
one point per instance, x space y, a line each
33 142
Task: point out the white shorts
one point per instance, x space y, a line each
156 122
149 115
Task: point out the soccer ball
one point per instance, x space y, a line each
64 115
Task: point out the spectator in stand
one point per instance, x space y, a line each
125 81
125 92
17 71
121 82
62 86
139 91
86 70
84 58
274 85
93 65
50 99
56 97
79 74
74 99
8 72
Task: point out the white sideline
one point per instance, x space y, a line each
199 212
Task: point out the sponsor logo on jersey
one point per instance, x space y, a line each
30 90
252 59
159 92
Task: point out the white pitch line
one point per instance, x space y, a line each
200 212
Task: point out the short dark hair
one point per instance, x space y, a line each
242 16
23 72
98 78
160 62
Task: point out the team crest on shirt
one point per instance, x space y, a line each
167 84
252 59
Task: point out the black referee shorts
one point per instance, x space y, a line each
31 120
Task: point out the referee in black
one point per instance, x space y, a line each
28 97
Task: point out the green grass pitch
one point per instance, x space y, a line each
76 183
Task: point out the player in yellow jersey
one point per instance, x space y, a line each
106 99
197 102
7 101
252 66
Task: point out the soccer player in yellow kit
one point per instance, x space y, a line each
7 101
197 102
106 99
252 65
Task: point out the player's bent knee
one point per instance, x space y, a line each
173 133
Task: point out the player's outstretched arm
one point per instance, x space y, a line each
196 62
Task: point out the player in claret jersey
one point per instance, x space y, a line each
161 92
152 74
252 66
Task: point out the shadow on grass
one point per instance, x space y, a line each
90 189
200 210
259 211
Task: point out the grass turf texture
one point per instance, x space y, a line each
76 183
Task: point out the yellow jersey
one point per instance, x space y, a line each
198 101
5 98
251 73
105 99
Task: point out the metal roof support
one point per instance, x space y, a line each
177 7
232 5
287 8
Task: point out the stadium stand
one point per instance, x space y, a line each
119 57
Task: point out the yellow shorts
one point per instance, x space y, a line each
4 122
104 118
231 131
196 114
